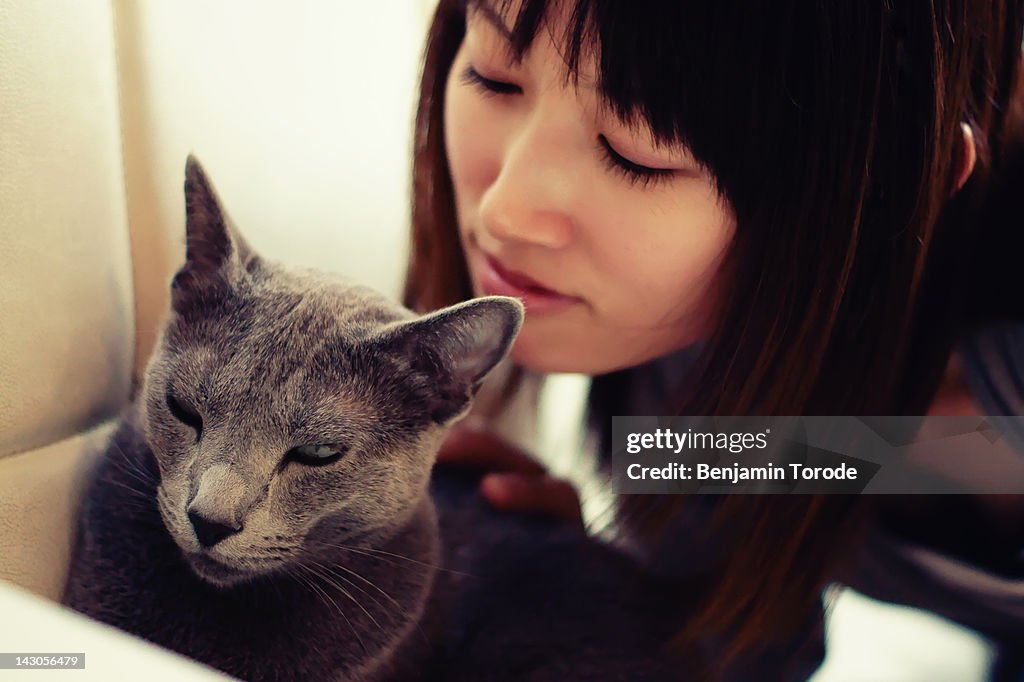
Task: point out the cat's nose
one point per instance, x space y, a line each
210 532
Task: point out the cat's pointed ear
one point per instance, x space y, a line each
456 347
215 251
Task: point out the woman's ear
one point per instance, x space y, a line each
968 156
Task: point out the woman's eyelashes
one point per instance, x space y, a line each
488 86
635 173
186 415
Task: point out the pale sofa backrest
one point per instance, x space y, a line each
67 324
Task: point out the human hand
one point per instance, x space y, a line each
513 480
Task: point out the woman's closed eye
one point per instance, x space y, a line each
634 172
488 86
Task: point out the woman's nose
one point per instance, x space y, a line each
531 197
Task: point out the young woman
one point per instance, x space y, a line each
736 208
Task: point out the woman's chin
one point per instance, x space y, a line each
548 353
545 348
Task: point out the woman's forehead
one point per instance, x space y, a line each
549 45
628 53
481 11
521 22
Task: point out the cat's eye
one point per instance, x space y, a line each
316 455
186 415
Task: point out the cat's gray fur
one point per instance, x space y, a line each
331 572
271 358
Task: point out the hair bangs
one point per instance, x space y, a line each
682 73
633 46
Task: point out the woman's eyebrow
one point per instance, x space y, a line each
493 18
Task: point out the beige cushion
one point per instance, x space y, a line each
67 326
40 492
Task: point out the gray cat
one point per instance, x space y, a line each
266 505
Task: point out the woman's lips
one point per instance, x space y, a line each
496 280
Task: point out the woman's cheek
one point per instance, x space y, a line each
472 143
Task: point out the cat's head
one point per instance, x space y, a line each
289 409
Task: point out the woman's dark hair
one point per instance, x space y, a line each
833 131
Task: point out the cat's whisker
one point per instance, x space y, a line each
147 484
369 582
348 594
363 552
360 577
326 599
135 498
374 553
312 585
381 607
134 491
144 508
139 513
124 465
328 602
132 468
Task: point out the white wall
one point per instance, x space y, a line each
301 113
63 238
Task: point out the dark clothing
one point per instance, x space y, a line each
979 580
994 367
982 590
